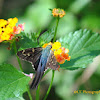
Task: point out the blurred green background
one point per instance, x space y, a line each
80 14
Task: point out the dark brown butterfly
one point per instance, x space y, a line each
41 59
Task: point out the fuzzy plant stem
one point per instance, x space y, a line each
54 39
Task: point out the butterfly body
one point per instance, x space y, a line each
41 59
41 67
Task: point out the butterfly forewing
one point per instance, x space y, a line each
31 55
52 62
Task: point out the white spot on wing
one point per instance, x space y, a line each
32 49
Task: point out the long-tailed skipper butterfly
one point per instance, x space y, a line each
41 59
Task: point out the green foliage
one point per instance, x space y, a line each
27 40
4 53
31 40
12 83
33 36
46 37
83 47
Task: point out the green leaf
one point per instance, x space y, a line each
46 37
4 53
27 41
12 82
83 46
33 35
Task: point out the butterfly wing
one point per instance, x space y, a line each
37 77
52 62
31 55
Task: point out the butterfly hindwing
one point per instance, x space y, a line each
52 62
31 55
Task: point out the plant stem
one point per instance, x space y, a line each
49 85
28 90
37 92
15 49
56 29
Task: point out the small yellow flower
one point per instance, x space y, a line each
56 45
2 23
0 31
60 53
58 12
5 36
8 28
12 22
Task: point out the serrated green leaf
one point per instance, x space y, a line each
26 41
33 35
12 82
83 46
46 37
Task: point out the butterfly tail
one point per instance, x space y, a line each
37 77
36 80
